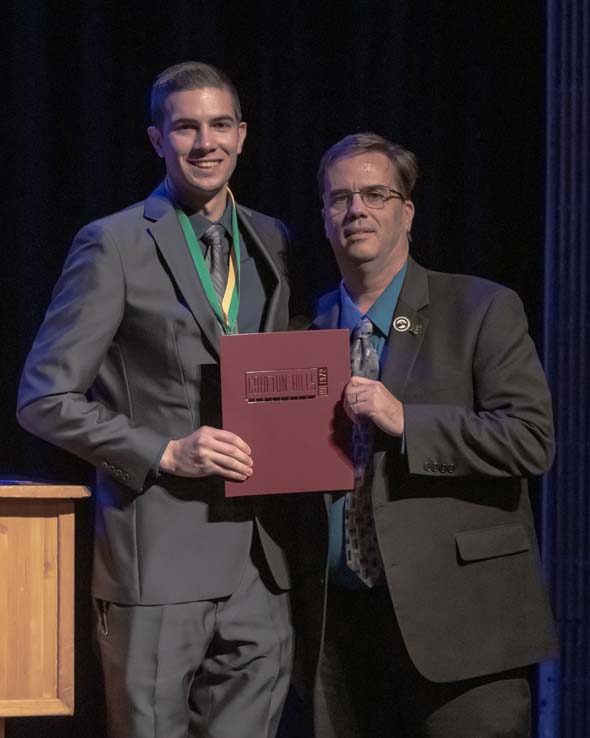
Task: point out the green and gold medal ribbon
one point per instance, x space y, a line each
226 310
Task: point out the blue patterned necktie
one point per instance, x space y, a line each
360 538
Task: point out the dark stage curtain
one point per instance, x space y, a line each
461 84
564 687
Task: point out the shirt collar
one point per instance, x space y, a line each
381 311
200 223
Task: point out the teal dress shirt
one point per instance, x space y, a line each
381 315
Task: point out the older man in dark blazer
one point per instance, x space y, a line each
434 604
192 612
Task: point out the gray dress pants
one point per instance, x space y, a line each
208 669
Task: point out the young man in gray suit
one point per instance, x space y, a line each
435 604
190 587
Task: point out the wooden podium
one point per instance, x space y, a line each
36 599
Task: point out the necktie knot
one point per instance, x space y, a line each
363 329
213 236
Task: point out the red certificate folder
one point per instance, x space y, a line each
280 393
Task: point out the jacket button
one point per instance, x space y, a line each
126 475
118 473
451 468
428 466
104 463
443 468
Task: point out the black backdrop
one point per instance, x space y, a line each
459 83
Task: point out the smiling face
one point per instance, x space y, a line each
199 139
362 237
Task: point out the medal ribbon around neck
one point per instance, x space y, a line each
226 310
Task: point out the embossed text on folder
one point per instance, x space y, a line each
281 393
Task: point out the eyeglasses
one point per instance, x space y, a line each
373 197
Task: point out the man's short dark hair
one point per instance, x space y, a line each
189 75
404 161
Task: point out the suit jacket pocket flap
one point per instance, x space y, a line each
487 543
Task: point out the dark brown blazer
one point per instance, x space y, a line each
452 510
125 360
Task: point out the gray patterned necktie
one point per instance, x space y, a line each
360 538
217 257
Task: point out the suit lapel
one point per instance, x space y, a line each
246 218
167 233
404 345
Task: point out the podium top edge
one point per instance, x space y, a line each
42 490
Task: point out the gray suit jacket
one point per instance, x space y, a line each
452 512
125 360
